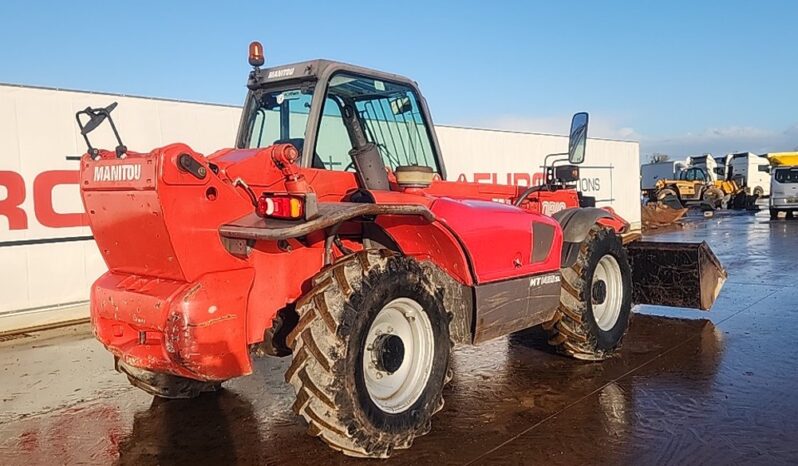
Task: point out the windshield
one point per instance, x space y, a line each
278 116
787 175
390 114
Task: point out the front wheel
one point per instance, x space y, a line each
713 196
665 194
774 214
595 299
371 354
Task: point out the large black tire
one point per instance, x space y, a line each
330 342
774 214
575 331
663 194
668 197
713 196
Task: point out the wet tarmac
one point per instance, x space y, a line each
689 387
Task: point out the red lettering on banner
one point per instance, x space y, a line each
9 207
518 179
481 177
43 200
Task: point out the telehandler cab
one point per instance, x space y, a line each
330 234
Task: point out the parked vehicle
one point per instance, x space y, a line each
783 183
365 266
714 167
650 173
752 172
695 185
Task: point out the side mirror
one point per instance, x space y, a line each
578 138
401 105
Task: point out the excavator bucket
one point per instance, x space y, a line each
675 274
660 214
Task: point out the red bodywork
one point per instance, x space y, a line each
175 300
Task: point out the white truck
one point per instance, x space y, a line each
750 171
714 166
783 183
651 172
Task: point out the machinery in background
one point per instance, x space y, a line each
783 183
650 173
708 182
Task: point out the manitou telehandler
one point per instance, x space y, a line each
330 234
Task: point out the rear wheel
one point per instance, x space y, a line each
595 299
774 214
371 354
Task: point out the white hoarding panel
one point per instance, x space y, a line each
610 172
46 251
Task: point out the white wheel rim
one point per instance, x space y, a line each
607 310
394 389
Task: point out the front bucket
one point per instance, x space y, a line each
675 274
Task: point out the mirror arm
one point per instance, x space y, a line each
546 160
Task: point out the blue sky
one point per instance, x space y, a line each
681 77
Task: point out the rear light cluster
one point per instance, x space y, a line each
281 206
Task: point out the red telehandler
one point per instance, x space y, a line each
330 234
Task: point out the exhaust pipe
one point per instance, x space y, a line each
675 274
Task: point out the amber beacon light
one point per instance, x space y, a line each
256 57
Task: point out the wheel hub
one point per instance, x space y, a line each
607 292
398 355
599 291
388 353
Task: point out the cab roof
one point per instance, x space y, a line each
319 69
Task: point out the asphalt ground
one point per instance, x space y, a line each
688 387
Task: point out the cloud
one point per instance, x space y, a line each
723 141
714 140
599 127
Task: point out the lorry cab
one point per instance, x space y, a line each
783 190
708 164
750 171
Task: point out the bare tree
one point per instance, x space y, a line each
657 157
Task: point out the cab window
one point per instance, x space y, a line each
391 118
278 117
786 175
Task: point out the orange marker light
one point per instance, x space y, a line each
256 57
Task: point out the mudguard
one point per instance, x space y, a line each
576 224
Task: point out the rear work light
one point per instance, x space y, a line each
281 206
